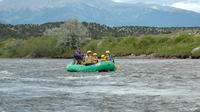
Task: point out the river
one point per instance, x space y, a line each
43 85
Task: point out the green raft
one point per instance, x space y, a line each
101 67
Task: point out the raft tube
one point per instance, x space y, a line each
101 67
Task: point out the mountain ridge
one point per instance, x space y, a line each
106 12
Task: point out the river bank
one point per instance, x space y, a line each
151 56
131 56
131 47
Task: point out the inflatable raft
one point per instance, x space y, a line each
101 67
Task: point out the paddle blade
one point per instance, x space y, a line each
118 66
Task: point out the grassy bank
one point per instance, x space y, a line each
159 46
44 46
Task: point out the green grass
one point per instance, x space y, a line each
43 46
159 45
179 46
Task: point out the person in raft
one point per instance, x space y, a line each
78 56
109 57
95 58
89 58
103 58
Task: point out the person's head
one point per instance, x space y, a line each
107 52
94 54
102 56
89 53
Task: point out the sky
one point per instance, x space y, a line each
192 5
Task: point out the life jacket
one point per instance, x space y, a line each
106 58
103 60
109 58
95 59
88 59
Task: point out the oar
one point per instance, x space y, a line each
118 66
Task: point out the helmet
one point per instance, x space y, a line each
95 54
102 56
107 52
89 52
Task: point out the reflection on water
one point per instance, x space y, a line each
139 86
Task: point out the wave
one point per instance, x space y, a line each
83 77
5 73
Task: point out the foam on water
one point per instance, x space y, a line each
83 77
142 85
5 73
128 90
35 80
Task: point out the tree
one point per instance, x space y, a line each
72 33
13 46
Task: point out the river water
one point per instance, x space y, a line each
43 85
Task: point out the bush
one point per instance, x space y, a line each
45 46
160 46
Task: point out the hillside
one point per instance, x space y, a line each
24 31
96 31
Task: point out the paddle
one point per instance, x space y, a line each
118 66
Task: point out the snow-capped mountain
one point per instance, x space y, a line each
104 12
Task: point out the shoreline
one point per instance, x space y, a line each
132 56
151 56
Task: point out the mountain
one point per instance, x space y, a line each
105 12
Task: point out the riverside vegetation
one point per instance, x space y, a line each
60 41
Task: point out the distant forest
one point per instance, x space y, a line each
95 31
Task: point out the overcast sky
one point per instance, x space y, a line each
193 5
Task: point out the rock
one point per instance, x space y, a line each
195 50
31 55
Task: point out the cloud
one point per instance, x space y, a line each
187 6
191 5
158 2
150 1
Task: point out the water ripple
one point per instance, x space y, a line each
139 86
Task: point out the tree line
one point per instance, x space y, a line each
95 31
